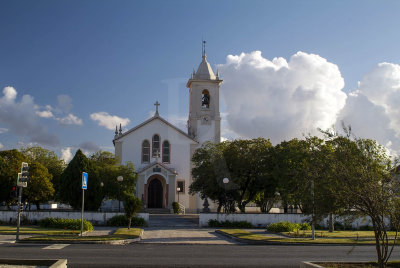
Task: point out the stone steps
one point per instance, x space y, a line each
157 211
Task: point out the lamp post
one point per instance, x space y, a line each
225 181
313 212
119 179
178 190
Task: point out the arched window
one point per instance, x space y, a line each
166 151
205 99
156 145
145 151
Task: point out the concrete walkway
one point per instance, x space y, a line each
180 229
184 236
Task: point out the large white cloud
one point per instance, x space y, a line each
109 121
373 108
281 99
66 154
20 118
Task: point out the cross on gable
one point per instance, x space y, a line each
157 104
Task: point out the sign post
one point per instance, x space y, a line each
84 187
22 181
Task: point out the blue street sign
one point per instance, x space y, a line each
84 180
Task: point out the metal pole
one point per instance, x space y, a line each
83 205
313 212
119 200
19 212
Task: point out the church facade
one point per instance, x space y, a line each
162 153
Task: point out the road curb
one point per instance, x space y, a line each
109 242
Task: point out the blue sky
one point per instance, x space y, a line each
119 57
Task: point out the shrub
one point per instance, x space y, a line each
366 228
305 226
71 224
230 224
118 220
283 226
122 220
176 207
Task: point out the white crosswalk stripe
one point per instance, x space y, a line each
57 246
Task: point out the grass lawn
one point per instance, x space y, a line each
336 234
120 234
355 264
12 230
242 234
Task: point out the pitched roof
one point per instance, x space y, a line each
155 117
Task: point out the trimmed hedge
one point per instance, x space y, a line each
285 226
230 224
60 223
122 220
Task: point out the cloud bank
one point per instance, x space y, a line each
108 121
373 108
20 118
281 99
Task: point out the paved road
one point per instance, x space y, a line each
170 255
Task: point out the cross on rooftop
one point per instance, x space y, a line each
157 104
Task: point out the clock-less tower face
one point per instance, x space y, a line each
204 122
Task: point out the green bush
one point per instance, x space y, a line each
70 224
230 224
118 220
366 228
305 226
122 220
176 207
283 226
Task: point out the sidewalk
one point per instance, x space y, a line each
170 235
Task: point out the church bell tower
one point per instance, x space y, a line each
204 122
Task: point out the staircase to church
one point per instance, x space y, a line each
172 221
157 211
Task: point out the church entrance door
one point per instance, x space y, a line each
155 194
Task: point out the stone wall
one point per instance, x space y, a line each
97 218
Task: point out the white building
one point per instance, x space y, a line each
162 153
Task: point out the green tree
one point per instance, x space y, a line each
40 189
109 169
132 205
10 166
366 183
244 162
50 160
71 183
248 166
304 169
208 173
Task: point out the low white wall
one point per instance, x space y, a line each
262 220
97 218
258 220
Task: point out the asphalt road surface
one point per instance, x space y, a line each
170 255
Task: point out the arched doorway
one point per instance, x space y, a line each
155 194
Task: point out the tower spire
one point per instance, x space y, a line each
203 50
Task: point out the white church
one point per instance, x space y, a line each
162 153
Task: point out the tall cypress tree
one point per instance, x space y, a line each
71 183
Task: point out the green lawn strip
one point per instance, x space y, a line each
242 234
356 264
336 234
120 234
35 230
